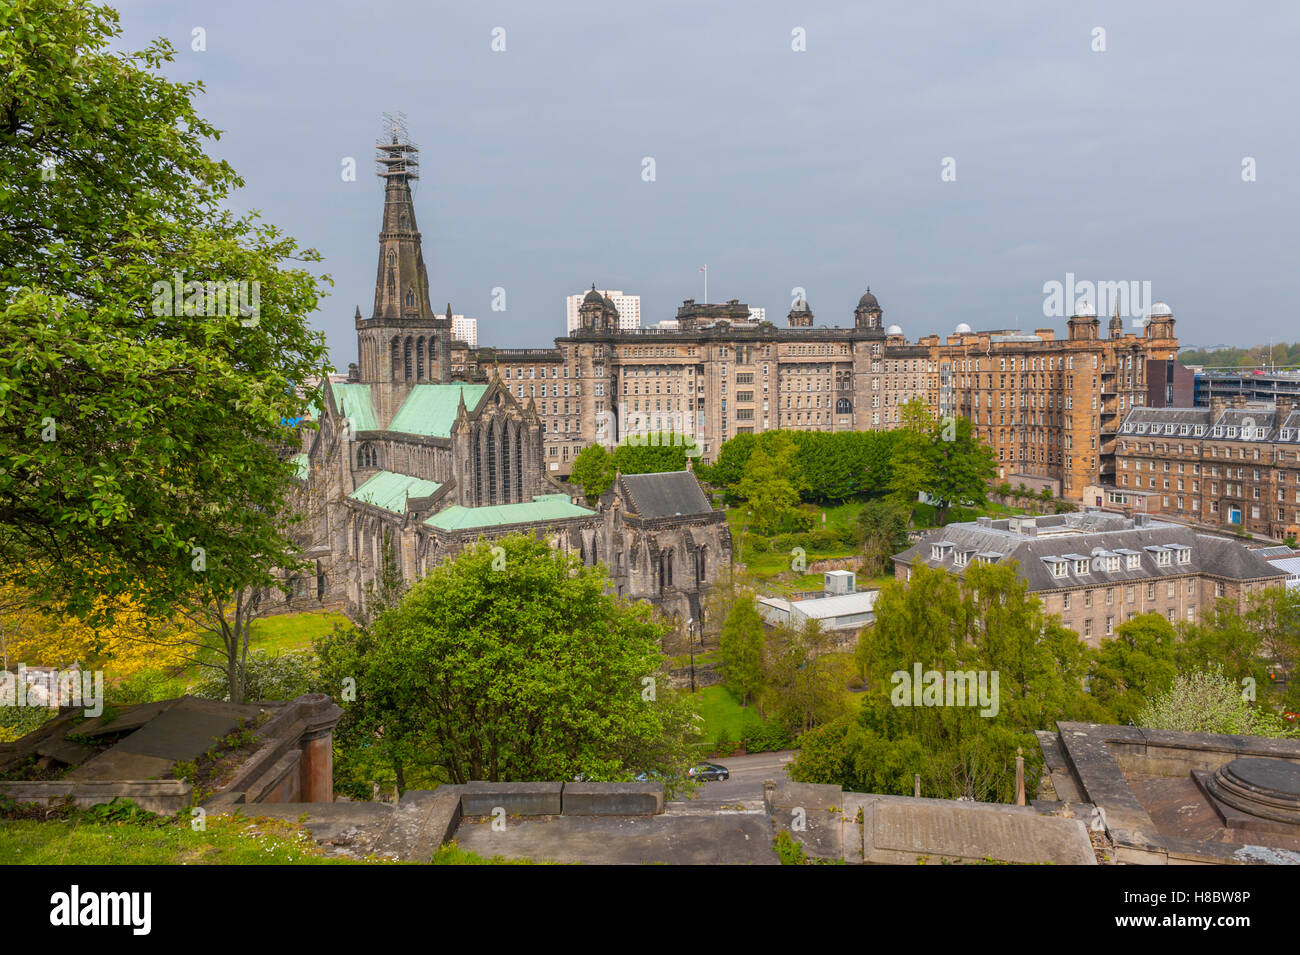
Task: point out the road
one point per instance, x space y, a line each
747 775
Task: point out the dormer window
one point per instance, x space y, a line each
1200 430
1218 431
1082 567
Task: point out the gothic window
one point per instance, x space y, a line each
419 359
410 296
404 220
390 259
406 352
367 456
396 361
519 466
843 406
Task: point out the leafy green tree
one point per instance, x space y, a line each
805 677
985 621
593 471
729 468
771 483
740 649
1207 700
1140 661
145 446
942 458
518 665
651 454
882 530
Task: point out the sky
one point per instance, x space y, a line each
954 159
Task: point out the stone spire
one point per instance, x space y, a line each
1116 324
401 283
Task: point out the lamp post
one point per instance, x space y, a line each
690 644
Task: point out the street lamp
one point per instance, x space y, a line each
690 644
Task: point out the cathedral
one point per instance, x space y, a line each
426 451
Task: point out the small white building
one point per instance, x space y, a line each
840 605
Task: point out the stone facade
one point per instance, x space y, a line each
1096 570
1231 465
1050 408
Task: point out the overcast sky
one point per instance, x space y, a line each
818 169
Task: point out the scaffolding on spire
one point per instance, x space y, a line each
396 154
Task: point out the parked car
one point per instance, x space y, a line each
708 772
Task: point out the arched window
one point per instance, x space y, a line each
843 406
391 259
419 359
404 220
410 296
406 351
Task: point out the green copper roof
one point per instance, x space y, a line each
300 461
431 409
355 404
544 507
390 490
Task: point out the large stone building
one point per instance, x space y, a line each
1095 570
422 449
1050 408
1234 465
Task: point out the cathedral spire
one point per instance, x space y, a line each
401 283
1116 325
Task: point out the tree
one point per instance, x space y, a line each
882 530
943 459
1206 700
593 471
985 622
144 428
651 453
1140 661
523 670
771 483
961 469
805 678
740 649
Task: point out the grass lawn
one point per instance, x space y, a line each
227 841
723 714
281 633
293 631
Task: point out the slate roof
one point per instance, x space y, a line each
542 508
667 494
430 410
390 490
1201 423
1215 556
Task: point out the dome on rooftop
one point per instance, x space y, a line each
1160 308
1086 310
894 330
868 300
593 296
963 329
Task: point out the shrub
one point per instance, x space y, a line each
148 686
282 677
